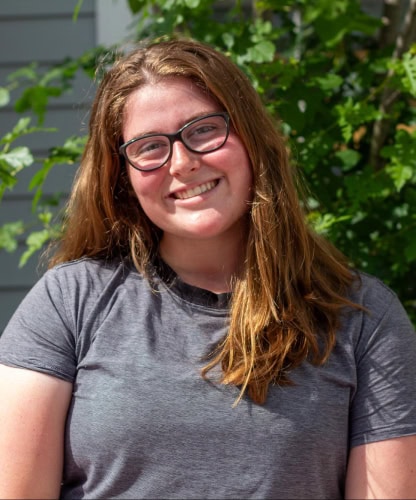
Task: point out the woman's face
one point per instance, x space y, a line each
196 196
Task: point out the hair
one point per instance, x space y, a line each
287 302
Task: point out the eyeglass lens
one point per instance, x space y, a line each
200 136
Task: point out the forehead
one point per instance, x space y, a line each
165 106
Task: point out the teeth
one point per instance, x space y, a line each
183 195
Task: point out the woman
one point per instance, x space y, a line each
193 337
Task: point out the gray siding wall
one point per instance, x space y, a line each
42 31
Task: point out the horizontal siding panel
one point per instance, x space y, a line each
81 93
9 300
59 179
41 31
15 282
19 208
68 122
53 40
43 7
14 278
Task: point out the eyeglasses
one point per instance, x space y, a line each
202 135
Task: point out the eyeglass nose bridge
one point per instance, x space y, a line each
172 138
182 158
177 136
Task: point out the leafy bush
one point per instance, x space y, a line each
341 83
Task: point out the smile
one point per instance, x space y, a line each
189 193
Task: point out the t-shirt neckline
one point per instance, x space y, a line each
188 292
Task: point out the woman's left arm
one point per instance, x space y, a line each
384 469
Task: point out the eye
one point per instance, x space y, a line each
147 148
205 130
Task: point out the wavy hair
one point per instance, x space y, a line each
287 302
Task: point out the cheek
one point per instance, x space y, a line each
246 173
145 185
241 160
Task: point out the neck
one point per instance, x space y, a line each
204 263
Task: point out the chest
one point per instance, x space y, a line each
139 397
145 381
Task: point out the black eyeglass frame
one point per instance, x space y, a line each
176 136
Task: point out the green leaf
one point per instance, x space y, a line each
409 65
400 174
4 97
402 159
35 242
410 250
363 186
136 5
352 114
67 154
7 180
22 128
39 178
331 33
25 73
19 129
261 52
192 4
35 99
45 218
228 39
259 29
349 158
8 235
77 10
322 223
328 82
18 158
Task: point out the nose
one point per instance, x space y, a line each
182 161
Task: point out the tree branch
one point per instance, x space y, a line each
404 39
392 10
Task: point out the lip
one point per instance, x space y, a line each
194 190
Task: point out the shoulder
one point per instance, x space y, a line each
370 292
382 325
378 301
383 357
88 268
379 323
90 275
74 290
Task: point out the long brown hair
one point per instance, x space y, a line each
287 302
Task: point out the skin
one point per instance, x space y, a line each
202 239
200 227
32 421
386 469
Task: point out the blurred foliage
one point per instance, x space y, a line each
343 94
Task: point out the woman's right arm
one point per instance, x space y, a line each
33 410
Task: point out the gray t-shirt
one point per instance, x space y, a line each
144 424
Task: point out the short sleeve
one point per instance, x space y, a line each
40 334
384 405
